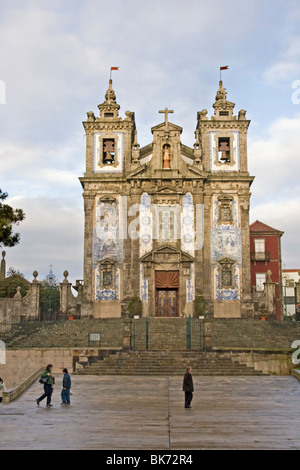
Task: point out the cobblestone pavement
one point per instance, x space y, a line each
147 413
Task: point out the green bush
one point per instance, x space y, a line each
8 287
135 307
200 306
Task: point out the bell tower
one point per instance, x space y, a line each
226 207
109 142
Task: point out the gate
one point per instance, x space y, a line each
177 334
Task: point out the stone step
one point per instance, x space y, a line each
167 363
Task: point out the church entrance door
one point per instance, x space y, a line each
166 302
167 286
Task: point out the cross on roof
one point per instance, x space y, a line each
166 111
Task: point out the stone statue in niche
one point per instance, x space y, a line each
166 157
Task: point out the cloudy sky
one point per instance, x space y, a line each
55 59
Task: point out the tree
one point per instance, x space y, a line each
8 218
49 297
14 279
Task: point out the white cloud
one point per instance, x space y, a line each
275 163
288 67
274 157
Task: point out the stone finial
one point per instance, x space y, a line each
110 95
221 93
269 274
91 116
242 115
129 116
109 109
202 114
135 143
18 295
35 275
66 274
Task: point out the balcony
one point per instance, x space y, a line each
260 256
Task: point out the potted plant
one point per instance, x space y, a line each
263 315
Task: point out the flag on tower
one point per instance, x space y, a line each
224 68
112 68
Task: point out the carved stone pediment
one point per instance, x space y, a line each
226 262
108 199
171 127
167 254
167 191
225 198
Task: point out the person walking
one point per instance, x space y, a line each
2 389
188 387
48 386
66 384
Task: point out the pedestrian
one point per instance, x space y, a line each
2 389
48 386
66 384
188 387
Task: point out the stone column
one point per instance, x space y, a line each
64 293
269 291
17 307
3 267
126 333
35 297
207 335
247 308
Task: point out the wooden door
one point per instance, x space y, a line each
166 302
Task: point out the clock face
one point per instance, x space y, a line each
108 154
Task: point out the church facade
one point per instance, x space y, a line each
167 222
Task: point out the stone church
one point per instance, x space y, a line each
166 222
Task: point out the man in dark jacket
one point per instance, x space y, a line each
188 387
65 393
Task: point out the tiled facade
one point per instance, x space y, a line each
167 208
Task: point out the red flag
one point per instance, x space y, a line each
224 68
114 68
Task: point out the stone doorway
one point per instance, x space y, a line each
166 302
166 293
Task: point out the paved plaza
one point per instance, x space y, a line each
147 413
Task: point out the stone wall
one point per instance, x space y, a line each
21 363
20 308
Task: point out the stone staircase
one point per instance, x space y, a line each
166 363
63 334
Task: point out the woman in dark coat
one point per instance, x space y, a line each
188 387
